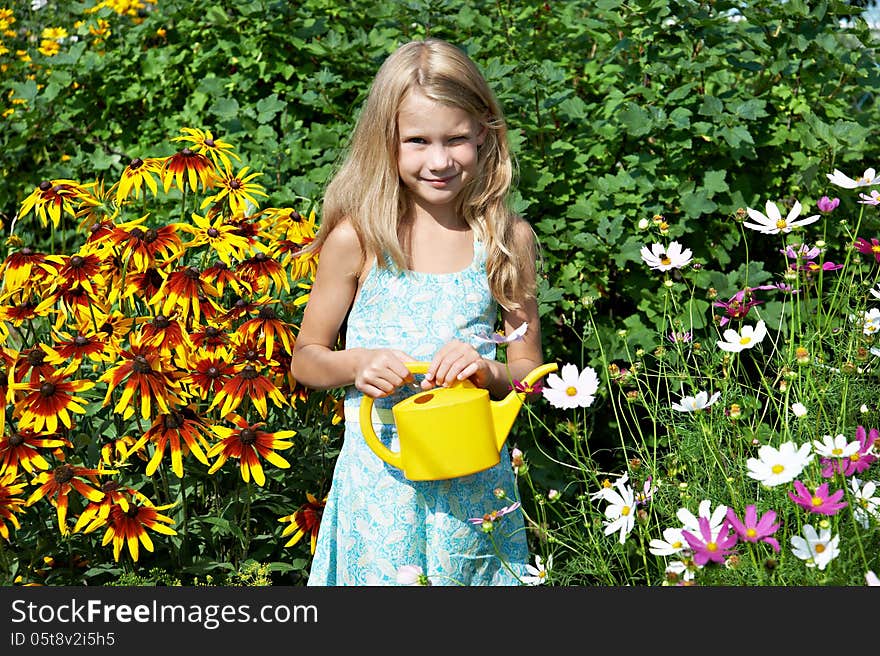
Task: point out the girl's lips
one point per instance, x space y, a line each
438 182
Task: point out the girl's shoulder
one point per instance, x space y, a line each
522 231
343 246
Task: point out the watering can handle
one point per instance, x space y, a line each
366 422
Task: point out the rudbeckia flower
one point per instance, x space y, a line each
249 444
144 371
248 383
21 449
237 189
203 141
219 235
269 326
183 290
189 168
261 270
306 520
143 246
138 174
181 431
129 527
10 502
56 485
50 199
51 399
772 223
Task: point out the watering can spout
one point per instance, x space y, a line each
504 412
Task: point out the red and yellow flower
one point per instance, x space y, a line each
306 520
237 189
203 141
248 443
129 527
189 168
57 484
136 176
21 449
51 399
181 430
10 502
50 198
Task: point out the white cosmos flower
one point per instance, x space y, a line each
836 447
620 512
871 578
772 223
572 389
871 321
682 569
412 575
694 403
774 466
663 259
799 409
866 505
538 571
868 178
672 543
870 199
816 549
747 337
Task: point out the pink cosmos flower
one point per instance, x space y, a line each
708 547
872 199
864 457
738 306
753 529
820 501
826 204
868 247
488 520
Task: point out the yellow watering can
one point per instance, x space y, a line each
448 432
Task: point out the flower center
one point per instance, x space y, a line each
16 439
816 501
750 532
745 340
213 232
140 365
819 548
781 224
63 474
47 389
248 436
665 260
777 469
625 511
711 546
571 390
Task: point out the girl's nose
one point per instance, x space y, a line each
438 157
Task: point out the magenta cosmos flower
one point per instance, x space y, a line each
826 204
868 247
708 547
864 457
752 529
820 501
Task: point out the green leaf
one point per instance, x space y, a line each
225 108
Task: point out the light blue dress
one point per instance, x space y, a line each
376 520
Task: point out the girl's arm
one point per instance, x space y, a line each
315 363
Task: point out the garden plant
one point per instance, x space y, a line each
702 178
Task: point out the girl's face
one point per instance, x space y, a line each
437 152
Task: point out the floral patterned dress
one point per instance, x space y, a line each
376 520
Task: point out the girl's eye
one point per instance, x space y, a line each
416 140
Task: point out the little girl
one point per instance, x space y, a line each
418 250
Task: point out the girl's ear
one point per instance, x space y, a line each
481 135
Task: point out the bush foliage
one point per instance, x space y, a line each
680 113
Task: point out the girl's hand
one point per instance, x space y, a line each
381 371
456 361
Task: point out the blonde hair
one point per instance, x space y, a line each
366 188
